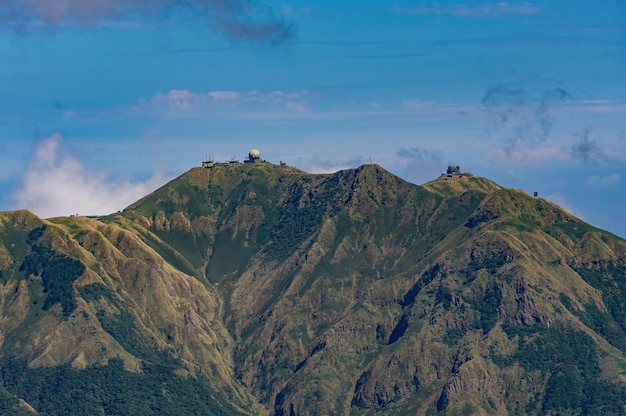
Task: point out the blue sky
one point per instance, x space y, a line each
104 101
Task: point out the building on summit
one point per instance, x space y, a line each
208 163
455 172
254 156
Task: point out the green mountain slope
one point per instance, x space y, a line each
262 289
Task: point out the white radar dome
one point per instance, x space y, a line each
254 154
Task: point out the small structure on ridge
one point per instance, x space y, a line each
208 162
254 156
454 172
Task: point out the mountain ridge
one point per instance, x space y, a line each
284 292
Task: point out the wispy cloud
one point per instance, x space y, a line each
418 104
587 150
606 181
596 101
239 20
515 117
596 107
55 184
511 114
498 9
419 164
185 103
387 56
305 105
343 43
531 39
316 165
421 156
539 156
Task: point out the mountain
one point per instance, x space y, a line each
262 289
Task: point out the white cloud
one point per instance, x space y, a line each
56 185
179 100
321 167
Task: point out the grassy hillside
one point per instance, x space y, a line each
89 305
251 289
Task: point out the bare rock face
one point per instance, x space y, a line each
261 289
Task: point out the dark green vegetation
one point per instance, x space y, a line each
110 390
568 361
58 272
261 289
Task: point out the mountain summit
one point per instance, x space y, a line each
262 289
